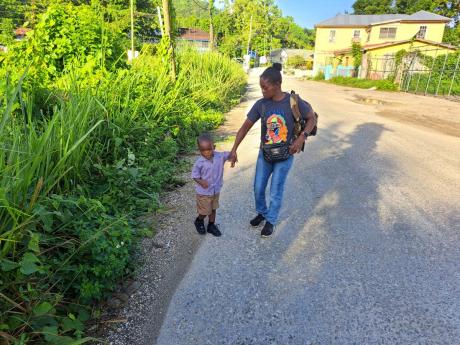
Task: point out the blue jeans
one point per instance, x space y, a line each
279 172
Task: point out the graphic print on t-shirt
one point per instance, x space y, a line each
277 130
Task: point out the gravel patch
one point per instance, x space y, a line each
134 314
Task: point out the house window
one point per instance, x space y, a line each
421 32
357 34
332 36
387 33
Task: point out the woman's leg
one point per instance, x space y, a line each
263 172
280 173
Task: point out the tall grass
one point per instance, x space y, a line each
74 179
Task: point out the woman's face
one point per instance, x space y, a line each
268 89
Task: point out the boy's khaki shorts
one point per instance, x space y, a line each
205 204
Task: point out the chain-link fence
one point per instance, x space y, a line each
422 70
433 71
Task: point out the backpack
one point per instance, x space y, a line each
299 122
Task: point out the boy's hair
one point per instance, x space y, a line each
204 137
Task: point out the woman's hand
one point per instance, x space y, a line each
296 146
233 158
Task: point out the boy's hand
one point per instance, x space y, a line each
204 184
233 158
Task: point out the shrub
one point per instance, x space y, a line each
364 83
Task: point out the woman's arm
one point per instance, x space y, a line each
247 125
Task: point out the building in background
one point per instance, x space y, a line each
380 36
283 54
196 38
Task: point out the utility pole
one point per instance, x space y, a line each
211 27
250 34
132 29
160 20
167 18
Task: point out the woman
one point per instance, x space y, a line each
277 128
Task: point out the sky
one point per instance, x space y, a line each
307 13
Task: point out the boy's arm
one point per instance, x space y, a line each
196 175
201 182
226 155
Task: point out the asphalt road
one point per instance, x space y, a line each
367 251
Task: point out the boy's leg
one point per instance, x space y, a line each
212 217
263 172
203 205
212 227
280 173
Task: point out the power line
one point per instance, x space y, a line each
199 5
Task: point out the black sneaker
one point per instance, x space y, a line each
257 220
213 229
199 225
267 229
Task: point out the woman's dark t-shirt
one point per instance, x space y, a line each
277 118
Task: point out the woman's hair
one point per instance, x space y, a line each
273 74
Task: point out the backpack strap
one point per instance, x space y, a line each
294 100
299 122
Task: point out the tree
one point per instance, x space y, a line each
373 6
445 8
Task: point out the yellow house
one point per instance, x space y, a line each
380 36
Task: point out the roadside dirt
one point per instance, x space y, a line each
134 314
424 111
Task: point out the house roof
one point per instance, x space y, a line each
364 20
21 31
191 34
390 44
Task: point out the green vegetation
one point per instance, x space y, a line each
441 80
387 85
357 53
88 143
299 62
270 29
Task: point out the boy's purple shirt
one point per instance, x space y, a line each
211 171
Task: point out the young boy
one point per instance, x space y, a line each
208 172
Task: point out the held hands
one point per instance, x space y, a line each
296 146
233 158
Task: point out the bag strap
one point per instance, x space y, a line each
294 100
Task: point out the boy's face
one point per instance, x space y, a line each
206 149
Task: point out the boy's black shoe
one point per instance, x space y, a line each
257 220
199 225
267 230
213 229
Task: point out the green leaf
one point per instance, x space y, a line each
34 242
4 327
83 315
42 308
15 322
8 265
28 264
69 324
